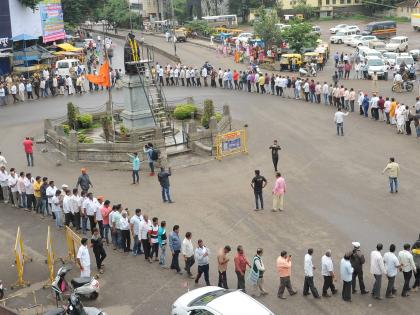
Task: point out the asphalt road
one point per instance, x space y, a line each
335 195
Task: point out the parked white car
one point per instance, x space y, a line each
364 40
390 58
376 64
213 300
398 44
244 37
352 40
337 28
340 36
67 66
366 53
415 53
407 58
353 28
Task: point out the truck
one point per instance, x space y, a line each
415 21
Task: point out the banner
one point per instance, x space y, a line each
5 26
52 20
231 143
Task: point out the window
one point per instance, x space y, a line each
334 1
356 1
348 1
319 3
327 2
342 1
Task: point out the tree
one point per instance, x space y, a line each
30 3
180 11
265 27
117 13
78 11
301 7
299 36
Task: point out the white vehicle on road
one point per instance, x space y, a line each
67 66
351 41
406 58
340 36
364 40
390 58
353 28
397 44
244 37
213 300
337 28
376 64
415 53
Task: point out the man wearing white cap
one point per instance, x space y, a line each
357 260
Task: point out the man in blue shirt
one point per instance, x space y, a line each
346 271
175 246
163 178
134 159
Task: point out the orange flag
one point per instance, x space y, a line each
102 78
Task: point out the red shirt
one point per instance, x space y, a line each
240 263
105 214
235 76
27 144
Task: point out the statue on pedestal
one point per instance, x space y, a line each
131 54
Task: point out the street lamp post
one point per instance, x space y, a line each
173 25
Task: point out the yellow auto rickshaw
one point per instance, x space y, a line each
310 57
290 62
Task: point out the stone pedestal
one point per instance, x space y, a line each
136 113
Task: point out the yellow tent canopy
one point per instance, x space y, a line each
68 47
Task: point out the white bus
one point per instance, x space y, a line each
230 20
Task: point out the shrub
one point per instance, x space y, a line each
66 129
184 111
123 130
85 121
208 113
218 116
72 113
82 138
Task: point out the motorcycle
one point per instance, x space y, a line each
308 72
405 86
75 307
84 286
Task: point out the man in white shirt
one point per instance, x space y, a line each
22 91
13 91
4 183
67 208
75 205
391 265
325 92
204 75
220 77
374 106
144 236
56 208
29 192
309 275
187 250
50 192
90 207
339 121
377 268
202 256
135 231
327 271
407 267
13 184
83 258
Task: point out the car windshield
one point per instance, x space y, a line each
208 297
375 62
63 65
340 34
377 54
395 41
407 60
369 28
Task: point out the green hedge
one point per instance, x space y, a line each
85 121
184 111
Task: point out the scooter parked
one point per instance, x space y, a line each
75 307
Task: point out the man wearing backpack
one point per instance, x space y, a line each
152 156
163 178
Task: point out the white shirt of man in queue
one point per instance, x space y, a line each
83 258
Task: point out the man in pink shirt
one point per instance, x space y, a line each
284 268
240 267
278 193
105 211
28 146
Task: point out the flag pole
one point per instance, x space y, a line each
109 104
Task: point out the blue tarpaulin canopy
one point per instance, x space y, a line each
24 37
32 53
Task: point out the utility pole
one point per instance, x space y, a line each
173 25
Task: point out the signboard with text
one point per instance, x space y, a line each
52 20
5 26
231 143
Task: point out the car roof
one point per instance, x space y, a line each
399 37
237 302
373 57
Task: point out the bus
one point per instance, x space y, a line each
382 30
230 21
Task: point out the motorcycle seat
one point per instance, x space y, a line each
78 282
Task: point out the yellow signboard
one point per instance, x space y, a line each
231 143
50 257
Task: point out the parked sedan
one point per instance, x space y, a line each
415 53
364 40
351 40
337 28
353 28
213 300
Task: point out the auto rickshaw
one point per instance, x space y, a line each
290 62
310 57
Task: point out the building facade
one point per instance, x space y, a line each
152 10
326 7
